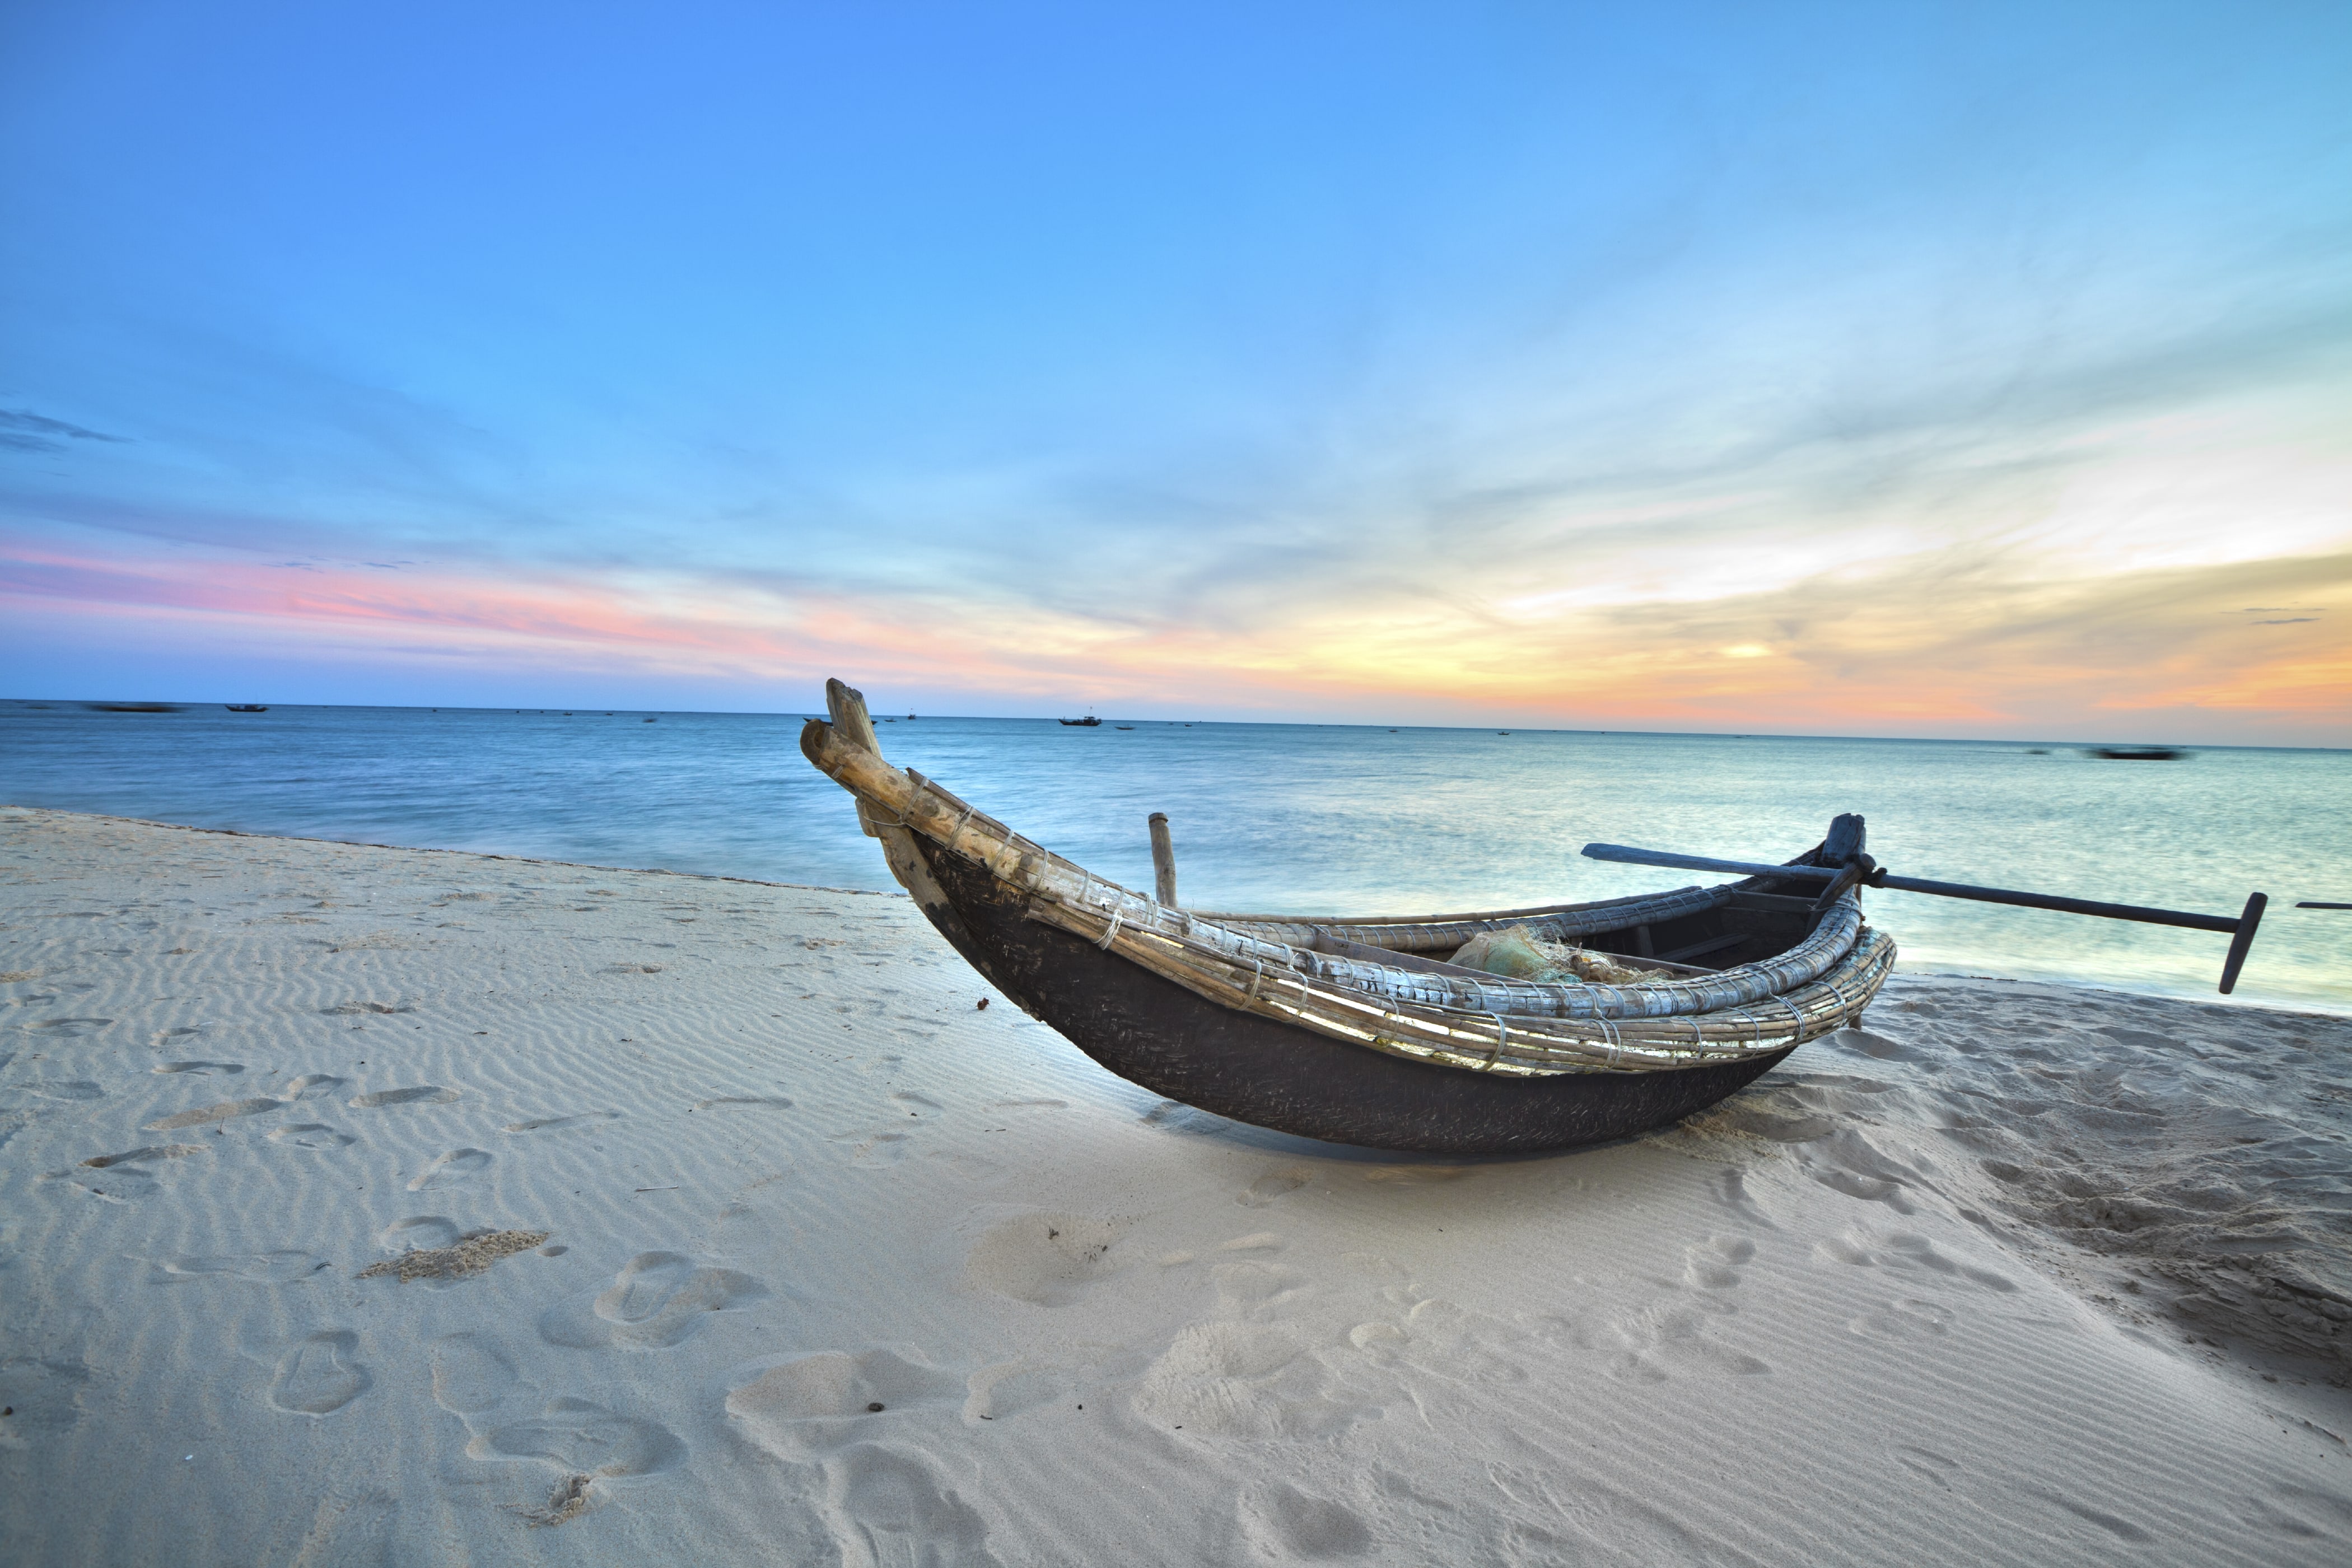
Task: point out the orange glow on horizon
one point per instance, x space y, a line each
1996 655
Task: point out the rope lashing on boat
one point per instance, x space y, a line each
1798 1016
907 812
1256 978
1013 843
1110 932
1608 1037
1501 1040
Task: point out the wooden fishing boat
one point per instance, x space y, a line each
1358 1030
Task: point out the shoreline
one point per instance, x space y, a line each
2312 1009
840 1266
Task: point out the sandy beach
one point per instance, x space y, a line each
369 1205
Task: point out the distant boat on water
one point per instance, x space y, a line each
1088 723
132 707
257 706
2140 754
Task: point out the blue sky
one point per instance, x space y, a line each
1908 370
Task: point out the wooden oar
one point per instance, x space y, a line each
1862 870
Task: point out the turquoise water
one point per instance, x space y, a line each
1299 818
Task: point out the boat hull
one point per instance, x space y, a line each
1155 1033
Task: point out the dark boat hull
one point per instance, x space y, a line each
1153 1032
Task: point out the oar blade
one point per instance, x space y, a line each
2244 941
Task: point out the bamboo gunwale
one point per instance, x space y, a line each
1497 1024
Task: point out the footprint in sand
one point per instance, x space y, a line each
1447 1341
815 1404
658 1299
1241 1380
581 1438
67 1029
423 1094
119 1178
63 1089
2121 1529
752 1102
198 1067
419 1233
310 1135
873 1149
44 1395
1256 1289
348 1528
263 1267
1668 1341
1907 1251
471 1374
557 1123
319 1375
1288 1522
1007 1389
1870 1189
1852 1248
1936 1467
206 1115
450 1169
1048 1259
1902 1320
1713 1264
1273 1184
313 1086
2301 1513
887 1508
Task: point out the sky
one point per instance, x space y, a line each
1907 370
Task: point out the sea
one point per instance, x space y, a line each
1300 818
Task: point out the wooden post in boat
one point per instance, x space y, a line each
1164 861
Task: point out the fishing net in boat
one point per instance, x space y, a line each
1516 951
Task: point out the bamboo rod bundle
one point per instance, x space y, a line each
1443 933
1485 1041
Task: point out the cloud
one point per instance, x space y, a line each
1969 639
24 431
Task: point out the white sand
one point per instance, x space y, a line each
2003 1278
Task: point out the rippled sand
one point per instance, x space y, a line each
840 1267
